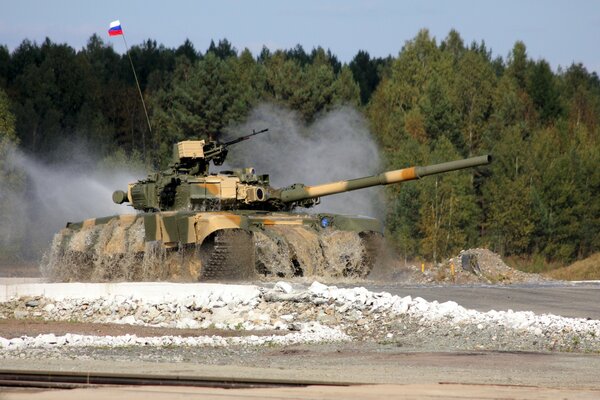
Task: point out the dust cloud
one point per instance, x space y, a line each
48 196
337 146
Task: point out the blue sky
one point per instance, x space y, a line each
561 32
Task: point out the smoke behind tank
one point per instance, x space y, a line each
55 194
336 146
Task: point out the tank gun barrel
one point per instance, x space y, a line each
300 192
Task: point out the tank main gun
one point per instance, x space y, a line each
305 195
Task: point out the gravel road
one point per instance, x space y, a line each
576 300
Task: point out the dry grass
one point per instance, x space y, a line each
533 264
582 270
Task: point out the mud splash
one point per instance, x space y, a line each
117 251
287 252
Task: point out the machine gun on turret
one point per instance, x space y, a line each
194 156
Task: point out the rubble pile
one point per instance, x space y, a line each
468 267
308 314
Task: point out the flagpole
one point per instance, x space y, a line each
137 82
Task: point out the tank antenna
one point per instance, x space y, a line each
115 29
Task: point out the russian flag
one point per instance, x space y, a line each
114 29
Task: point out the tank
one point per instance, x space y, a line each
194 225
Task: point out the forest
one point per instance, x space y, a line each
434 101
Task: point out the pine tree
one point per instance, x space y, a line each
508 195
448 212
203 99
12 195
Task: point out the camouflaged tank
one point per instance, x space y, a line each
194 225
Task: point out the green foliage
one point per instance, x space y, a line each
310 88
7 119
119 160
542 89
367 72
447 208
432 102
402 219
202 99
518 64
508 196
472 95
223 50
452 101
12 186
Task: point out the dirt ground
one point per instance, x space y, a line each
375 392
12 328
357 363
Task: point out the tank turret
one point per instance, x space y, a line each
188 185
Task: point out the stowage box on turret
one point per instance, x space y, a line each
194 225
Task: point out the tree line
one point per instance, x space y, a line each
432 102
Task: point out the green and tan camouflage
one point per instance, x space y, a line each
192 224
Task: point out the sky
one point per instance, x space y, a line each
561 32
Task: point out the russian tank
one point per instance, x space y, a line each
193 225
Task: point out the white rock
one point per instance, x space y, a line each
16 343
4 343
217 304
227 297
187 323
49 338
318 289
448 307
222 314
284 287
49 307
280 325
128 320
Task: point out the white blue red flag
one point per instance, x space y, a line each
114 29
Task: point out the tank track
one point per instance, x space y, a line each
230 256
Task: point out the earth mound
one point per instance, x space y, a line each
467 267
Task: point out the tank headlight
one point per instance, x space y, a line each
325 222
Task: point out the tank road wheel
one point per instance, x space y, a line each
227 255
372 251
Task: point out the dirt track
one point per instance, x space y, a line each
577 300
11 328
471 375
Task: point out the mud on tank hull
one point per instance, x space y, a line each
204 246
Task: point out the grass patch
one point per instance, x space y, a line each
535 264
582 270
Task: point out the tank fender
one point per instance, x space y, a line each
173 228
207 223
350 223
